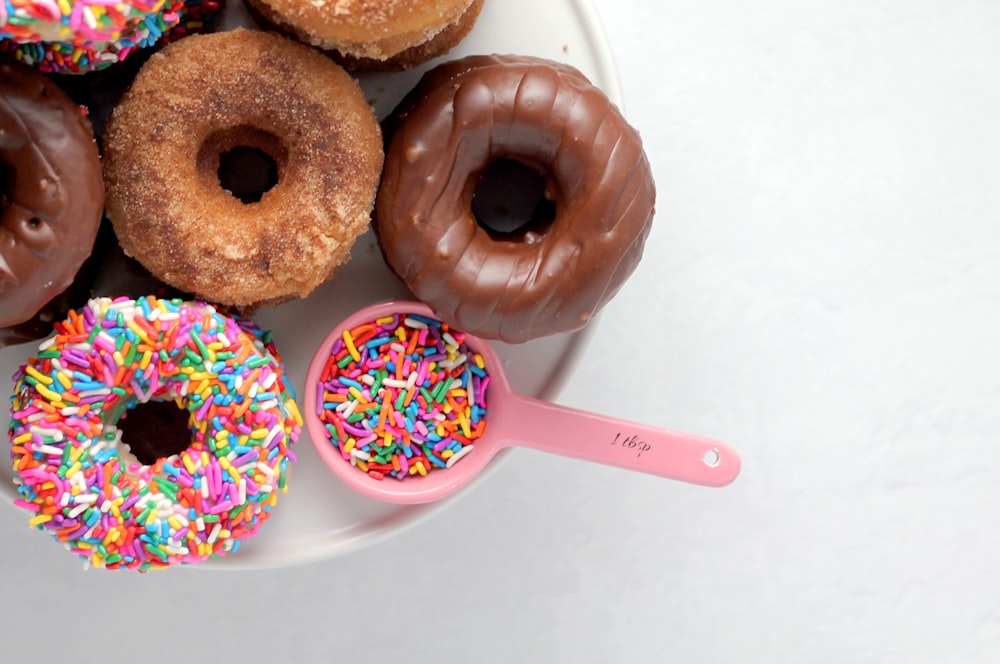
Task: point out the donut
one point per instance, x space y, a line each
78 36
514 284
51 194
85 483
374 34
195 101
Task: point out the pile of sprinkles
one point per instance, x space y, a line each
79 36
102 503
403 395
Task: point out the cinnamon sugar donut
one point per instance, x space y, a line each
375 34
516 284
196 101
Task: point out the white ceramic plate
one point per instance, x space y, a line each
319 517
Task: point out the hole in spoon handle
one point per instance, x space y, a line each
614 442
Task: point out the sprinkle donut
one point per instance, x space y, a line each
77 36
469 114
78 476
175 20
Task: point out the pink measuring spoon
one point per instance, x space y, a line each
514 419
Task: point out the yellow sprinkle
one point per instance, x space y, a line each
23 438
65 380
39 519
463 421
174 523
356 393
480 362
53 397
362 465
189 463
221 434
73 470
146 357
204 458
235 474
224 463
446 454
421 469
293 410
139 332
257 434
349 445
119 360
349 342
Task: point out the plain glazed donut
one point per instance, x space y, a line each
464 116
80 479
375 34
205 95
51 194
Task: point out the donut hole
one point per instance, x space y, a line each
155 430
511 202
244 161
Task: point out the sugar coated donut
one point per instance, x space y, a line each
469 114
51 194
74 53
81 480
375 34
201 97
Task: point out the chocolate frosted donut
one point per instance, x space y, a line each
208 96
51 197
470 114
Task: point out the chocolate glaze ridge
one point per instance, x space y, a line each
466 114
52 196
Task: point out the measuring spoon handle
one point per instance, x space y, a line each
610 441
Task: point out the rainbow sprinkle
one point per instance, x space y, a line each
402 396
121 29
116 353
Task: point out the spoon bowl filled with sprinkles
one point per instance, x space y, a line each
405 409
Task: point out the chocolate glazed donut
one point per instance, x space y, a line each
52 196
464 116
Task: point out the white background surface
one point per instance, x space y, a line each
821 290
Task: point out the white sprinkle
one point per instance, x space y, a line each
47 344
392 382
48 449
367 379
214 535
253 391
449 340
398 347
270 380
271 435
100 391
85 499
453 459
411 380
200 524
264 468
414 323
243 491
78 510
154 313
